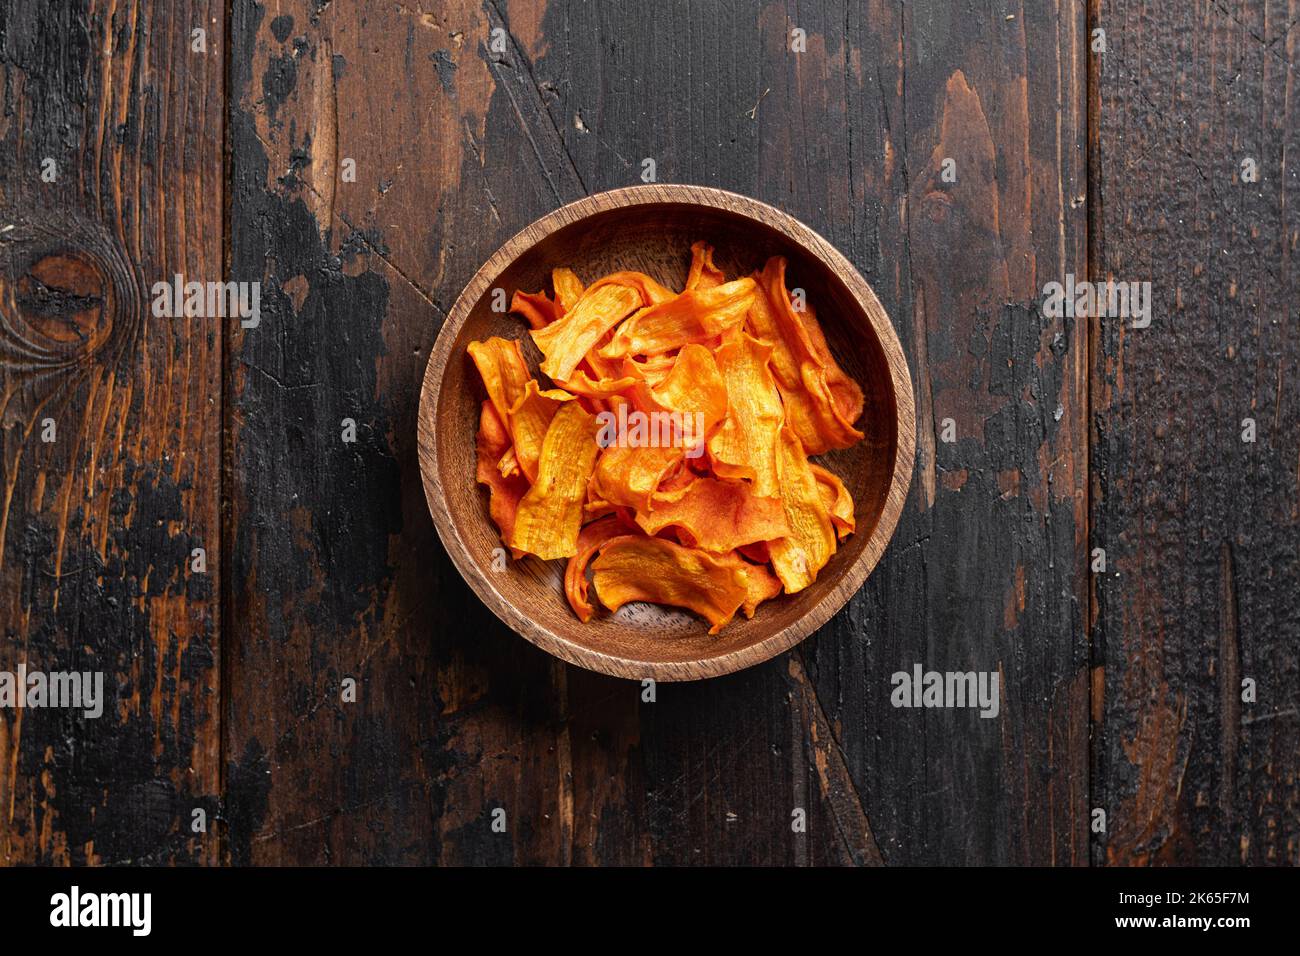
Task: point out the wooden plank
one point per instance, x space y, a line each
1199 526
97 526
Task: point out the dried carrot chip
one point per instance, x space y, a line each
590 539
696 315
652 370
568 289
717 515
744 446
580 383
504 492
631 568
536 308
760 583
847 393
530 417
821 402
834 430
550 514
802 553
693 385
500 362
565 343
703 273
652 293
836 498
628 476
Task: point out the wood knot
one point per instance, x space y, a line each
67 292
937 205
63 297
69 300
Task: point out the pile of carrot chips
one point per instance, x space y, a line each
669 454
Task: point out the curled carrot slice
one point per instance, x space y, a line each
836 498
500 363
846 392
821 402
760 583
536 307
529 418
694 385
631 568
590 539
802 553
696 315
580 383
629 476
565 343
651 292
504 492
718 515
549 516
568 289
744 446
703 273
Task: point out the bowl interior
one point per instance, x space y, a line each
655 239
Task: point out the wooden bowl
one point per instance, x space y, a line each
651 228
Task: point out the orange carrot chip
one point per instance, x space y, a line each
760 583
696 315
568 289
590 539
798 556
629 476
536 307
550 514
744 446
821 401
717 515
565 343
703 273
631 568
500 363
504 492
651 292
694 385
836 498
529 419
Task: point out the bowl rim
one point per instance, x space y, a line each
853 576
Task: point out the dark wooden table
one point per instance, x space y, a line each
361 160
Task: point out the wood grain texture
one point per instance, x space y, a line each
649 229
1199 526
97 527
1119 692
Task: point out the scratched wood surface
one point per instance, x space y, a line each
98 525
376 155
1200 527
